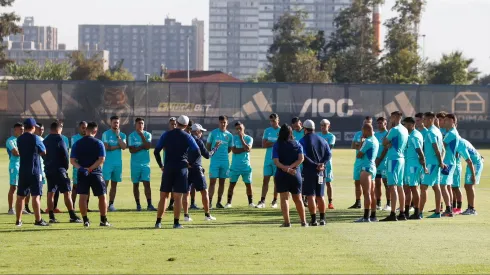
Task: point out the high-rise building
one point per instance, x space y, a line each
199 52
240 31
44 38
145 48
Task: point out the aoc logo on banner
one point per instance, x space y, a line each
327 107
469 106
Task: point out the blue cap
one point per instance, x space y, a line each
445 170
30 122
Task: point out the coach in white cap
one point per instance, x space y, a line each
179 147
317 154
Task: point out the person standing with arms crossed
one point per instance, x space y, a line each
220 165
87 156
330 139
14 163
381 166
114 142
356 144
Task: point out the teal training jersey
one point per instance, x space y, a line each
380 136
370 149
451 140
468 151
443 131
241 162
415 141
398 136
270 134
113 157
14 161
226 138
330 138
142 157
433 136
75 138
298 134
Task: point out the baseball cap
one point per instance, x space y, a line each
325 121
309 124
172 119
198 127
30 122
183 120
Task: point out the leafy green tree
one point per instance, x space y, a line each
120 75
8 26
86 68
260 76
155 78
32 70
484 80
452 69
350 47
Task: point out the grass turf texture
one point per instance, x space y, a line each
245 240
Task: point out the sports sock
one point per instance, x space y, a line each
313 218
378 202
250 199
329 201
219 199
366 214
459 204
149 202
111 203
186 215
388 202
393 214
159 220
417 211
454 204
72 214
373 213
171 202
85 219
176 221
407 210
138 202
206 214
229 199
358 202
51 214
322 216
193 201
448 209
262 199
103 218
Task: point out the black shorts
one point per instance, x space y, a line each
174 180
30 185
311 186
92 181
58 182
288 183
197 179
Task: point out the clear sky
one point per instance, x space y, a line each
448 24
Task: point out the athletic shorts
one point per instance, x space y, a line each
196 179
357 172
413 175
175 180
92 181
58 182
288 183
140 173
219 170
14 176
328 174
380 174
74 176
448 179
112 172
434 176
478 172
458 171
246 176
370 169
269 170
311 185
30 185
395 171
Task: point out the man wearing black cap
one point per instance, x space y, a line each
31 148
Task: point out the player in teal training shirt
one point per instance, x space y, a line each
114 141
298 131
268 140
415 167
356 144
240 163
330 138
139 143
396 141
220 164
451 141
381 166
474 169
367 162
14 164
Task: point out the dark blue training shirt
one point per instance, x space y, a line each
87 151
286 151
203 153
316 151
30 148
176 143
56 158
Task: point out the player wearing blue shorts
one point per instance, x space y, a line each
356 144
87 155
31 148
66 141
298 134
367 156
172 124
14 163
330 138
451 141
114 142
139 143
219 167
433 151
268 140
381 166
181 151
240 163
414 168
287 154
316 153
474 170
82 126
396 141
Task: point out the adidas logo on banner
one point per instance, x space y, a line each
404 106
48 106
256 109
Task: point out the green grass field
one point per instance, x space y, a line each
245 240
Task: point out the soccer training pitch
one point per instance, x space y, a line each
245 240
